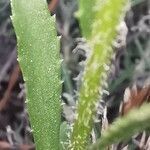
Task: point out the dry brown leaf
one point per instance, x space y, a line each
134 97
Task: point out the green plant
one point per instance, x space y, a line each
99 21
38 56
122 129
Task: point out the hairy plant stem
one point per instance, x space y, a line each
98 20
122 129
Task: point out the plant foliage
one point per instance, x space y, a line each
136 121
38 56
98 20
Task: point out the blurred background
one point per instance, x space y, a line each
128 80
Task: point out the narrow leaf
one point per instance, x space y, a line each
38 55
136 121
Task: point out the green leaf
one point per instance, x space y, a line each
86 16
38 55
122 129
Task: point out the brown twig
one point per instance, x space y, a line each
7 146
7 65
27 147
4 145
12 81
52 5
134 98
